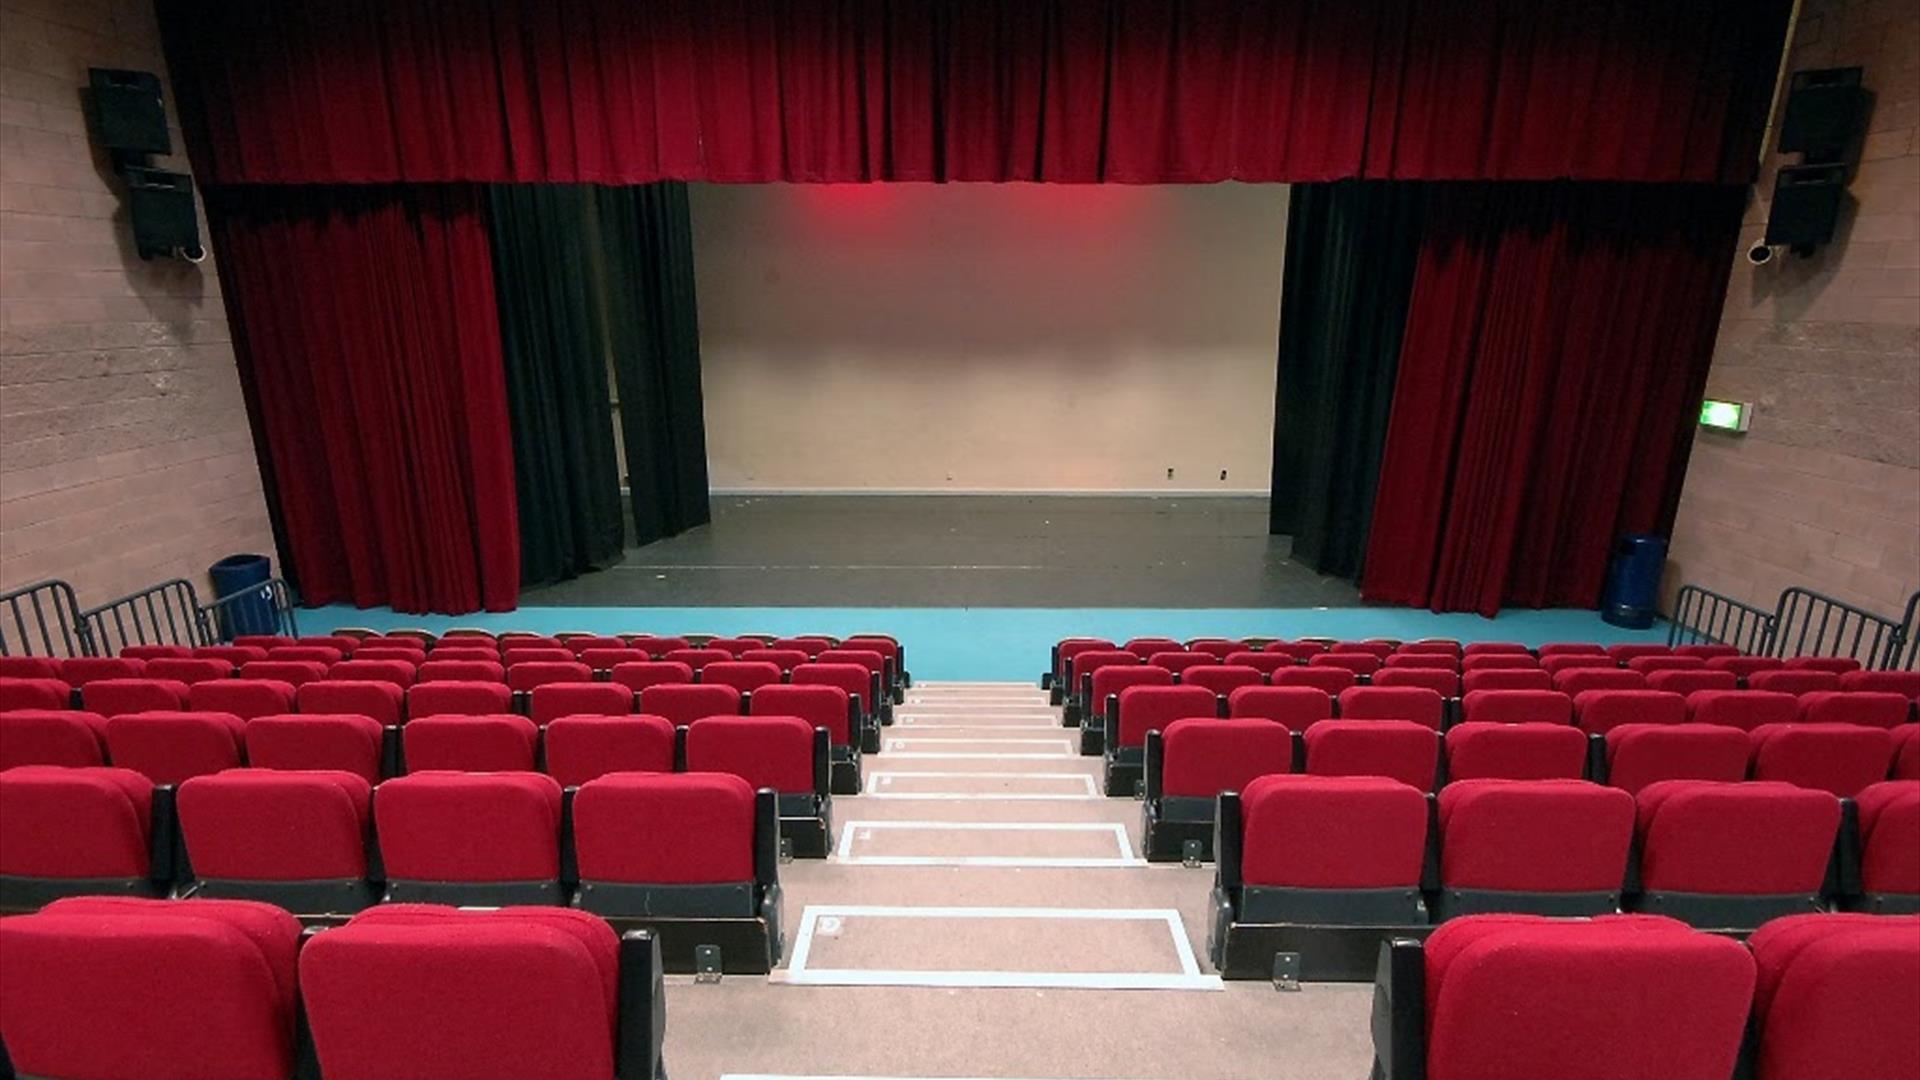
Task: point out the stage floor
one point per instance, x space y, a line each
959 551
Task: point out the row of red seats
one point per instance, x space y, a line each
1502 997
1370 851
1871 730
355 725
324 843
117 989
1197 758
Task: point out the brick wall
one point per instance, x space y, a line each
1825 490
125 456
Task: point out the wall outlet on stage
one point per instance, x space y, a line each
1223 475
1169 474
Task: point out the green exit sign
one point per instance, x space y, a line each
1725 415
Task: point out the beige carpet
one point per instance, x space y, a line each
968 754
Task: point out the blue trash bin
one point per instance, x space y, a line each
253 614
1632 597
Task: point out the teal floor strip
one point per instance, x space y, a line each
1002 644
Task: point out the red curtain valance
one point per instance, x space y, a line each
1135 91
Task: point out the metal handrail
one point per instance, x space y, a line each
164 614
1807 623
36 600
239 612
1903 654
1704 617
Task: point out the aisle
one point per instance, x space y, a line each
986 914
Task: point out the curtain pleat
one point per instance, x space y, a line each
556 346
647 242
1351 249
1556 347
367 331
1135 91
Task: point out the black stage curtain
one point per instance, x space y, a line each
554 339
647 243
1351 251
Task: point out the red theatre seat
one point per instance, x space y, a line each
400 673
638 675
682 704
1150 708
1359 663
1444 683
534 673
1836 997
16 693
378 701
68 737
1794 681
457 699
67 831
1203 758
1890 845
1555 664
1864 707
657 647
1222 679
1642 754
1499 662
188 669
1904 683
292 672
1562 648
1515 997
1906 753
1840 758
161 989
1597 712
1528 678
1298 707
1580 680
1549 847
155 652
1649 665
1266 663
297 839
484 839
1497 648
1686 682
29 667
1517 706
626 845
244 698
168 747
820 706
78 671
1392 703
498 743
1144 647
554 700
1732 856
237 655
465 669
766 751
1482 751
347 742
745 676
1331 849
437 993
1627 652
784 659
583 748
698 659
111 697
1329 680
1743 709
1401 750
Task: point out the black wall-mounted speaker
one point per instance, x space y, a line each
1825 108
164 221
128 113
1806 203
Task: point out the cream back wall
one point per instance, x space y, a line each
977 337
125 456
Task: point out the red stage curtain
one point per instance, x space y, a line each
368 336
1551 372
1137 91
